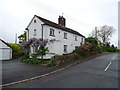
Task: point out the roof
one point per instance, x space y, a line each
50 23
5 43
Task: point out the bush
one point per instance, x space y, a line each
18 54
109 48
59 59
51 63
94 43
16 50
31 61
83 50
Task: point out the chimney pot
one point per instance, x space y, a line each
62 21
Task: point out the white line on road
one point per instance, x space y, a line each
108 66
114 57
110 63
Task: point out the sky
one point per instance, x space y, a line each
81 15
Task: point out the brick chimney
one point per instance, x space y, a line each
62 21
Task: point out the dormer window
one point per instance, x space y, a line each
35 33
52 32
75 38
65 35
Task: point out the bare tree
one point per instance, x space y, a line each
95 34
103 34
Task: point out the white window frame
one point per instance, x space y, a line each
65 35
35 32
75 38
52 32
65 49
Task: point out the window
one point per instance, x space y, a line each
34 21
52 32
82 40
75 38
65 49
35 49
65 35
34 32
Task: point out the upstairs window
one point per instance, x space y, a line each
82 40
65 35
75 38
52 32
34 21
35 32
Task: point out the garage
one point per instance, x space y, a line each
5 51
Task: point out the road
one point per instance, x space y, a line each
100 72
15 70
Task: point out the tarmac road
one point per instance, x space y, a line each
100 72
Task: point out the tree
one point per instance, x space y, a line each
39 46
94 43
103 34
41 49
22 37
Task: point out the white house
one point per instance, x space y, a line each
5 51
66 38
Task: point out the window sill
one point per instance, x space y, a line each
52 35
65 38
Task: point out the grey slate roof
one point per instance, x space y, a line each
50 23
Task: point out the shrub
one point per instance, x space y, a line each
16 50
15 47
51 63
59 59
18 54
83 50
95 46
31 61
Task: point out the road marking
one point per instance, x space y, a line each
108 66
114 57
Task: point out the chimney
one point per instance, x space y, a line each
62 21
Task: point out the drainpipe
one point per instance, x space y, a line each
42 30
28 32
42 39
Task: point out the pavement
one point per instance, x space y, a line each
100 72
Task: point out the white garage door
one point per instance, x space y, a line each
5 54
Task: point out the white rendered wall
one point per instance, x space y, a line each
36 26
58 46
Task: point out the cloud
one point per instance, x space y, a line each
81 15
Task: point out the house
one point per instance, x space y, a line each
66 38
5 50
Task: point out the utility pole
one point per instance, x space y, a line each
96 32
16 38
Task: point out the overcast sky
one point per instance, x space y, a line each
81 15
